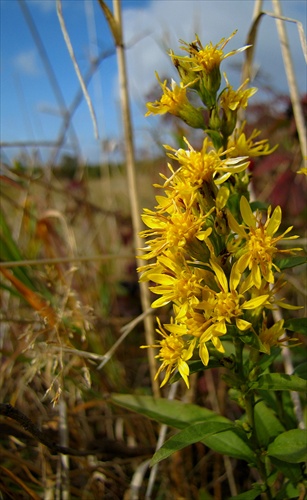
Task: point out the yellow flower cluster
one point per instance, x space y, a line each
213 257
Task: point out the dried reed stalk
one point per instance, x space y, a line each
115 23
288 64
293 89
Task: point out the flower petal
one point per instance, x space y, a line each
274 222
256 302
242 324
247 213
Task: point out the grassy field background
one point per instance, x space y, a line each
69 291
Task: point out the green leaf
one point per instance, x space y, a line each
252 339
290 261
301 370
191 434
298 325
249 495
258 205
221 437
233 443
290 446
179 415
267 359
292 471
173 413
289 491
267 425
280 382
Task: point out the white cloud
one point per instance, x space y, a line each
167 21
26 63
45 6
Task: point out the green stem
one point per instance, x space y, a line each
249 399
249 403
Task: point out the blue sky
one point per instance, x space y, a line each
30 110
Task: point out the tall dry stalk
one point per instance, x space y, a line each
115 23
292 83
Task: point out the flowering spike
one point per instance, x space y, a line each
213 257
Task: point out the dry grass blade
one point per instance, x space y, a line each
28 490
116 21
112 23
293 89
76 66
63 260
35 301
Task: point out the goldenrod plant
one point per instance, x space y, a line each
214 258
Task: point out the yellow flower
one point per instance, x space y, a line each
230 102
240 145
302 170
273 336
208 319
204 61
174 354
202 166
257 243
173 231
190 322
176 282
201 68
175 102
235 99
227 306
208 57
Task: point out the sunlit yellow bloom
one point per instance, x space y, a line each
174 354
302 170
240 145
227 306
273 336
190 322
208 57
180 193
177 282
208 320
201 68
172 231
174 101
230 102
235 99
257 242
202 166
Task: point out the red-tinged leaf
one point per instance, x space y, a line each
39 304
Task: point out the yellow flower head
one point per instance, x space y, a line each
257 243
174 101
176 282
173 231
209 57
230 102
208 319
240 145
302 170
235 99
227 306
174 354
273 336
205 63
206 165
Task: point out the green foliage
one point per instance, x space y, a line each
298 325
221 437
290 446
280 382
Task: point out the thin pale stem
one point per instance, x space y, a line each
115 23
